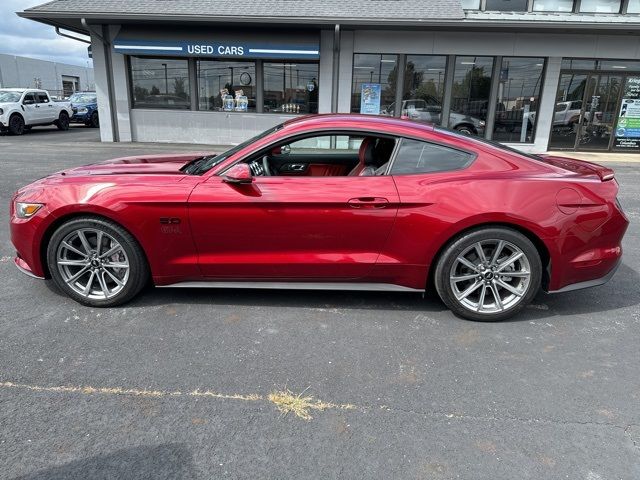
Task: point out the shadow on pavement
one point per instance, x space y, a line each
170 461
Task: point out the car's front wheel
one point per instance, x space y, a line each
94 121
16 124
96 262
488 274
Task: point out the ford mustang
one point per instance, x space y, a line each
344 202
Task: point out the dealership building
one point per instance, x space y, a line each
534 74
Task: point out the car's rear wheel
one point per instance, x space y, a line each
63 121
96 262
488 274
466 129
16 124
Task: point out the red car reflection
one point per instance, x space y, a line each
342 202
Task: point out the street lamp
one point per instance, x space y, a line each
166 80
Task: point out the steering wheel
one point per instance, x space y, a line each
265 165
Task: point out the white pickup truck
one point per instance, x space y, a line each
23 108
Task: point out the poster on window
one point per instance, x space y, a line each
370 99
628 126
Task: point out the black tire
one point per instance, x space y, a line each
445 274
16 124
94 121
466 129
63 121
138 271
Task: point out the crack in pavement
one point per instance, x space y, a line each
287 402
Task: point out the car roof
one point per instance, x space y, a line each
359 121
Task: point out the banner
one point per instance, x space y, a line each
370 99
628 127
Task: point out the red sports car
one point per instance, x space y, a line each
343 202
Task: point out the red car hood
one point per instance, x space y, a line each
144 164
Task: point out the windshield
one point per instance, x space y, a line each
493 143
207 163
9 96
83 98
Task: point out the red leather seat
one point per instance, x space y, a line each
365 157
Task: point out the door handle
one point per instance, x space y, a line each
368 202
37 106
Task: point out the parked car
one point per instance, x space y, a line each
430 110
23 108
85 108
567 113
381 204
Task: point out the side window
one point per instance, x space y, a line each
29 98
42 98
422 157
326 145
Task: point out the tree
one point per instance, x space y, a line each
178 88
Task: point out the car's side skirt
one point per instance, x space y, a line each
377 287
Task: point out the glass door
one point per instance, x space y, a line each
568 110
599 112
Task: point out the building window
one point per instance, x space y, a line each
423 88
518 98
600 6
290 87
226 85
633 6
374 83
553 5
507 5
471 4
470 94
160 83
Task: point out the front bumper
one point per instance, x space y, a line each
25 268
80 118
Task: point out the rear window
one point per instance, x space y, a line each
493 143
415 156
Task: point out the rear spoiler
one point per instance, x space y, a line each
580 166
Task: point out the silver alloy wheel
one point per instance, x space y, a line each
93 263
490 276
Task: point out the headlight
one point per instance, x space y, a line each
82 110
482 123
27 210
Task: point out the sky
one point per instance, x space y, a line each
26 38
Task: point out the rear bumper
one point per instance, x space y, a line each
589 283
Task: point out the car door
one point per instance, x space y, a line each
292 226
30 109
46 109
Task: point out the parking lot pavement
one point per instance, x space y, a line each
178 384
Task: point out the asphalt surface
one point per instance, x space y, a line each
410 391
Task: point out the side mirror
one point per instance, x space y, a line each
238 174
28 102
285 150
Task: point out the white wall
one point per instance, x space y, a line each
20 72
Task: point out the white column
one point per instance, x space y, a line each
325 80
100 77
346 72
547 105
